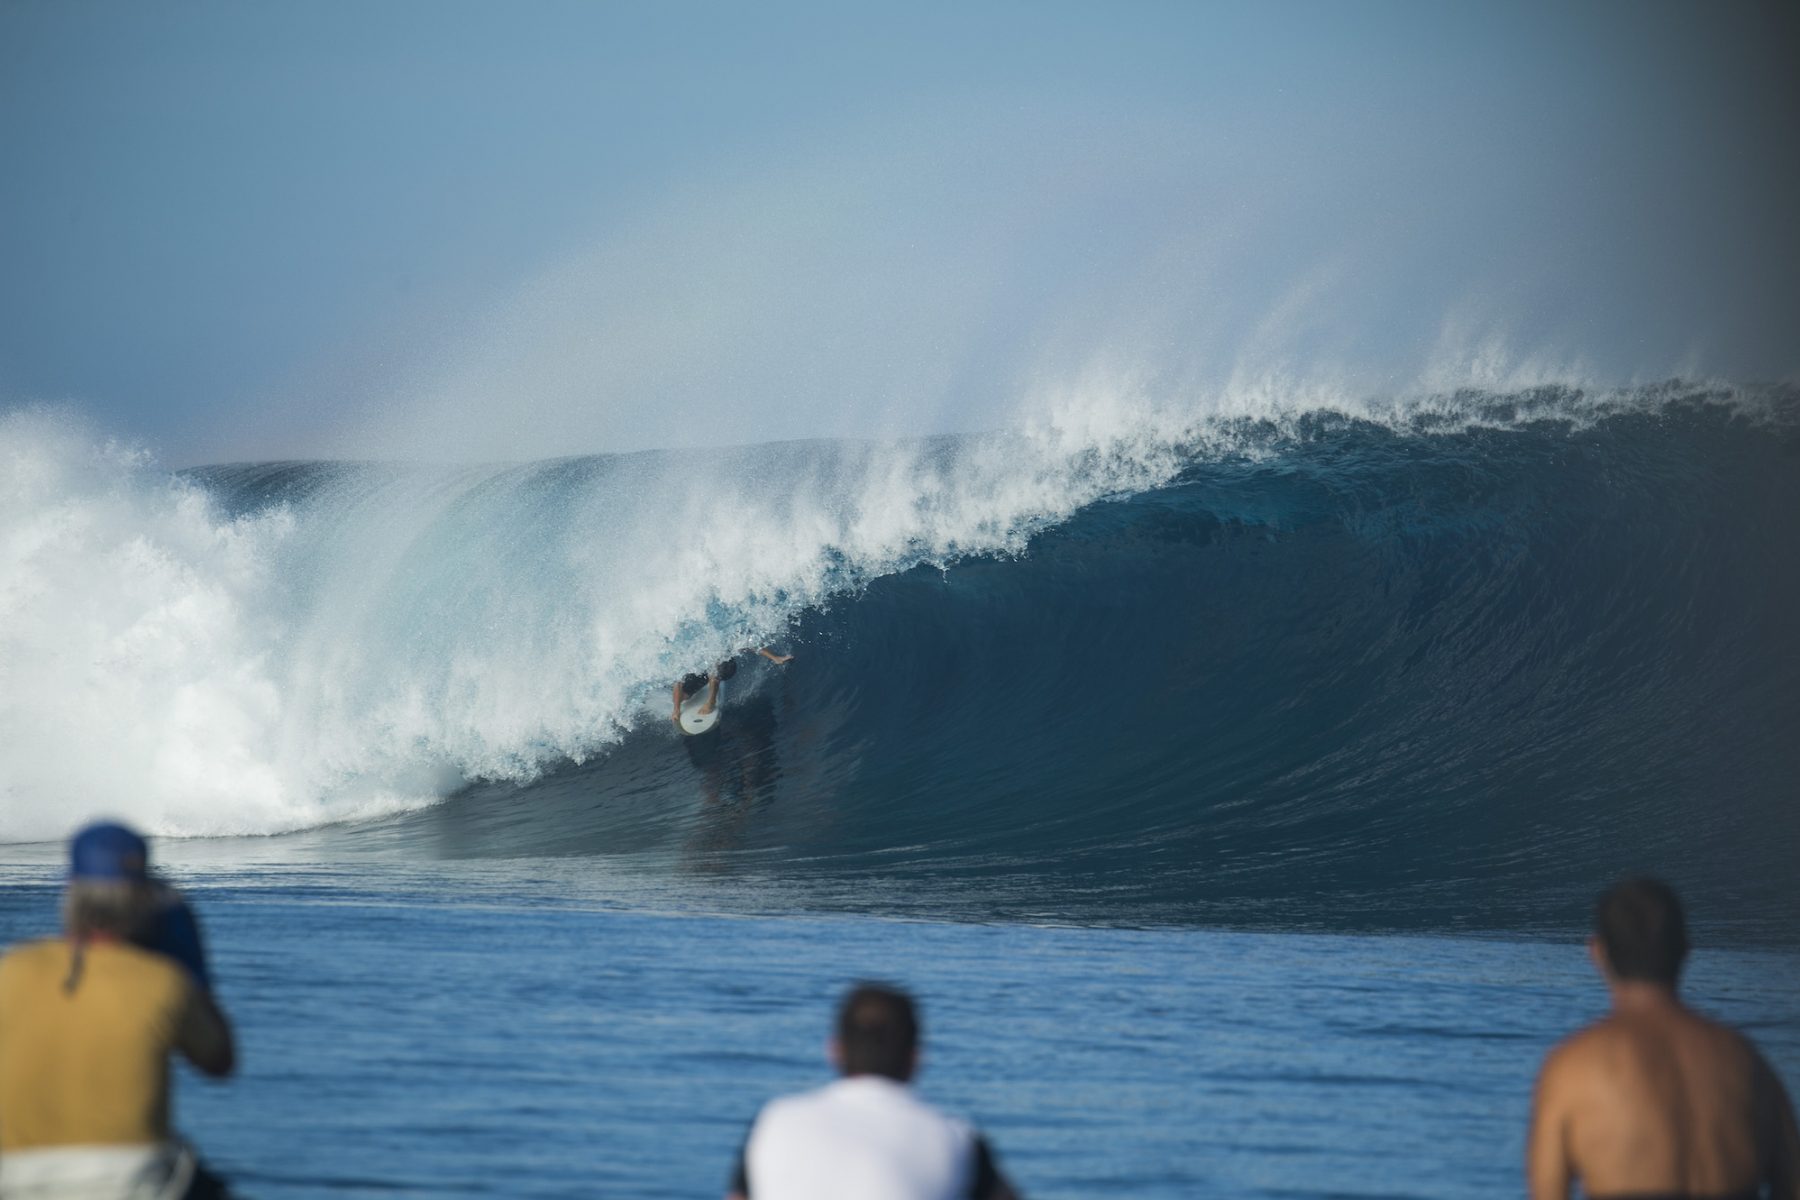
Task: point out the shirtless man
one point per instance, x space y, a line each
1655 1100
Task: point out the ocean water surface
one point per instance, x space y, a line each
484 1037
1231 790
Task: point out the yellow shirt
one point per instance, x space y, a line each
91 1067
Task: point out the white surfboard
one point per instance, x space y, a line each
692 720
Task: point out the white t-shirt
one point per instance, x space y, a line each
865 1136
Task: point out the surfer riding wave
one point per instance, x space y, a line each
689 685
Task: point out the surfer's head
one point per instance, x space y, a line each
110 892
877 1033
1640 931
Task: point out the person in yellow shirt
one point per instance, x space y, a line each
87 1023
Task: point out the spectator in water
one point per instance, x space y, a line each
87 1023
1655 1100
866 1135
690 685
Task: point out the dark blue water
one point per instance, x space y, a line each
439 1040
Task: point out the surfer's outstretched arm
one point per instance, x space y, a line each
712 694
772 656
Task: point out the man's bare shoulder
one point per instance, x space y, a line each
1582 1047
1590 1053
1713 1041
1617 1030
1629 1048
1761 1073
1567 1071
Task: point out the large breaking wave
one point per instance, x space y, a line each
1279 649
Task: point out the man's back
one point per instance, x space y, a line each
1656 1100
90 1064
864 1136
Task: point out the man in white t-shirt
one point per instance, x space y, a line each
866 1135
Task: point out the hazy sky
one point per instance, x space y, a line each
503 230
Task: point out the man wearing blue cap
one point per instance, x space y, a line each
87 1023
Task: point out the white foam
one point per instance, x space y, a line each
134 644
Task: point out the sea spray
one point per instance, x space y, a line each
137 642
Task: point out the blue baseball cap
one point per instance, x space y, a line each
108 851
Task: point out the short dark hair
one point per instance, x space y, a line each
1639 924
878 1031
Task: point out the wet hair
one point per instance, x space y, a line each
878 1032
121 908
726 669
691 685
1640 926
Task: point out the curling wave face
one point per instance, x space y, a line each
1186 668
